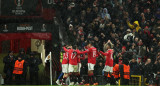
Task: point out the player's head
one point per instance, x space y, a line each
125 61
108 46
75 47
89 44
70 47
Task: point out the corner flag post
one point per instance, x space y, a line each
50 69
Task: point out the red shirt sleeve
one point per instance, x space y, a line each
105 54
86 51
65 49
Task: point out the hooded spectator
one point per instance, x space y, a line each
105 14
134 26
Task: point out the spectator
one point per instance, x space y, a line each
141 49
134 67
157 64
148 70
105 14
148 14
129 36
134 26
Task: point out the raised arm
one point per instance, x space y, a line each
104 54
83 52
79 52
65 49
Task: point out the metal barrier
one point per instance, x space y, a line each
134 80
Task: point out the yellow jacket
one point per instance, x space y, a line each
132 26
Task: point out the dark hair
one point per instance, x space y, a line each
125 61
89 43
75 47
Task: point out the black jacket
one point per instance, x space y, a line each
33 64
8 63
98 69
134 68
148 69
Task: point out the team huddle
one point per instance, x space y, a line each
71 63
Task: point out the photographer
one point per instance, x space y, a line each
33 68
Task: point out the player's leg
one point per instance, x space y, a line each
87 77
58 79
78 74
91 75
71 74
106 74
65 71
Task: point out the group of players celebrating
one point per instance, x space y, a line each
71 63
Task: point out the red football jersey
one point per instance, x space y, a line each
92 54
72 56
65 58
109 57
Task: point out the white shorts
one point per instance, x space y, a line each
91 66
108 69
65 68
79 67
73 68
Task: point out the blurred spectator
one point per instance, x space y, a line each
105 14
148 70
134 26
129 36
134 67
157 64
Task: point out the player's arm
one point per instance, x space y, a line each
65 49
82 57
97 53
104 54
83 52
79 52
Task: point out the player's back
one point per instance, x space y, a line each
92 54
73 57
65 58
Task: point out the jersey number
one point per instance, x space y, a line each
94 54
73 56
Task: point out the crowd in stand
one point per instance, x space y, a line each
133 26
